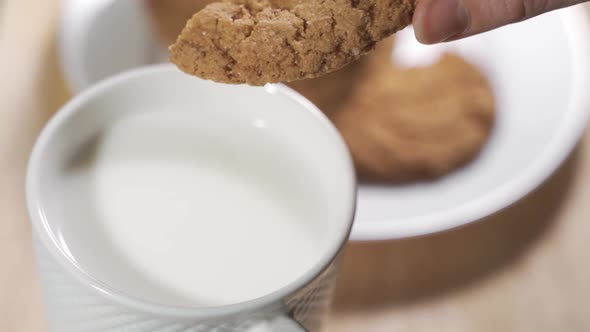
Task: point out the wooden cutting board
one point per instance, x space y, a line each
524 269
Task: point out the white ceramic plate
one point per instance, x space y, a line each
540 71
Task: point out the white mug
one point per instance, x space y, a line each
77 301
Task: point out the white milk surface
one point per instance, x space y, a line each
174 217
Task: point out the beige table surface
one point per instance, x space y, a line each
525 269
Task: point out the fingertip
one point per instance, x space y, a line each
418 22
436 21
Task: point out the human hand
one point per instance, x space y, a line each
444 20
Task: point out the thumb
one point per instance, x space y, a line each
442 20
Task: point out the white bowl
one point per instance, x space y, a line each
540 70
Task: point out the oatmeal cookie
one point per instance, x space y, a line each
327 92
414 124
266 41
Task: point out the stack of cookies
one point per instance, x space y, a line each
401 125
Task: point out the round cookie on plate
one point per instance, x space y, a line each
414 124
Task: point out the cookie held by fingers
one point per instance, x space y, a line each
267 41
405 125
328 92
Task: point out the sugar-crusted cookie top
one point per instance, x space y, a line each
267 41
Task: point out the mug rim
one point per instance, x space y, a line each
42 228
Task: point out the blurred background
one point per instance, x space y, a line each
522 269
